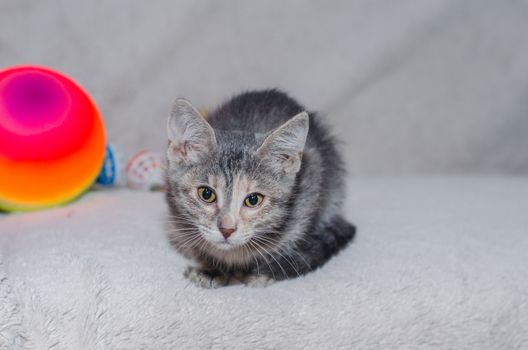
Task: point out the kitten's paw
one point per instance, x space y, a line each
257 281
205 278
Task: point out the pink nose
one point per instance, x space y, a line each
226 232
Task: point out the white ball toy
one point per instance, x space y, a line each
144 171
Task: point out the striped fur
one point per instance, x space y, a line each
260 141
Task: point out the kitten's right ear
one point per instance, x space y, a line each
190 135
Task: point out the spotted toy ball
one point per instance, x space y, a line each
52 139
145 171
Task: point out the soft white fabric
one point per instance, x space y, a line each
438 263
410 86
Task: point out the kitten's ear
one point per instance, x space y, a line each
190 135
284 146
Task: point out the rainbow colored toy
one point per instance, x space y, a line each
52 140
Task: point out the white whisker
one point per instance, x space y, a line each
271 255
255 246
279 250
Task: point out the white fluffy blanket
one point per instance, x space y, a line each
438 263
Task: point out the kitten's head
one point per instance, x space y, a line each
230 190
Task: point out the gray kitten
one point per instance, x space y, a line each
254 191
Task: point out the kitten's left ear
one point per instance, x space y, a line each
284 146
190 135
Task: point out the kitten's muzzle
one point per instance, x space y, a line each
226 232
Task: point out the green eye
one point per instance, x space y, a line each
253 200
206 194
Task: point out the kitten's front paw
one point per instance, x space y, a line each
257 281
205 278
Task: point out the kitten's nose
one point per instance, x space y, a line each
227 225
226 232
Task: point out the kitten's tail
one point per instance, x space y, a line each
320 245
342 231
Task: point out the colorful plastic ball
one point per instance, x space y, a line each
52 140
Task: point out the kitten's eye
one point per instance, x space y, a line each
206 194
253 200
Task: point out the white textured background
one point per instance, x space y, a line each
410 86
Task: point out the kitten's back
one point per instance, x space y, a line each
255 111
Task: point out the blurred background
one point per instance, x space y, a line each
409 86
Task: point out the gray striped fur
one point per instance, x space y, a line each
260 141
